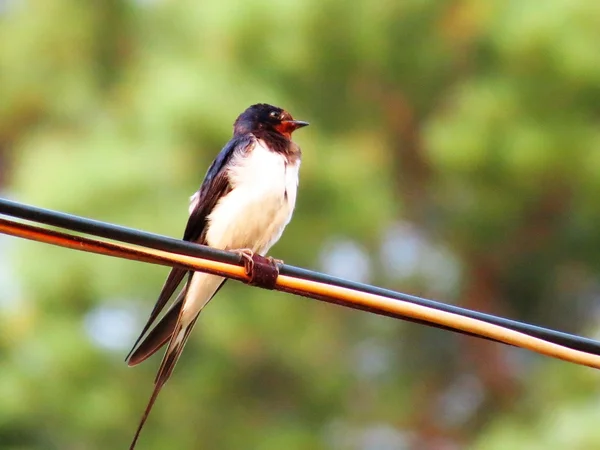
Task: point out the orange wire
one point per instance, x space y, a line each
452 320
307 288
124 251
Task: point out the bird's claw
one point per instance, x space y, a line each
248 256
261 271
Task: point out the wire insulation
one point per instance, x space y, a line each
167 244
308 288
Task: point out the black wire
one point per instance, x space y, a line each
158 242
114 232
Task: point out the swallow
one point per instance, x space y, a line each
244 203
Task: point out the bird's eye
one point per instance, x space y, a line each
274 114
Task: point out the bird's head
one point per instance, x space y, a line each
263 117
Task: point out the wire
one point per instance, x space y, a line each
166 244
119 251
308 288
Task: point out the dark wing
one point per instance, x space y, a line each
165 370
161 333
214 186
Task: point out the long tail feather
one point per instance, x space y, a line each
178 340
158 336
171 283
198 292
161 333
157 388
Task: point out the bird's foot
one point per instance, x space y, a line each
261 271
248 256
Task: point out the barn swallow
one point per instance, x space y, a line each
245 201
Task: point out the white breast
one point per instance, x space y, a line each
260 204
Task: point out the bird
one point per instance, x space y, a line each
244 203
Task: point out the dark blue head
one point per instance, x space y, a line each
266 118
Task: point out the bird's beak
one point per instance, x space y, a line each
292 125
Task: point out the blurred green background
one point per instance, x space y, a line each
453 153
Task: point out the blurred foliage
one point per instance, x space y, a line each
454 152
